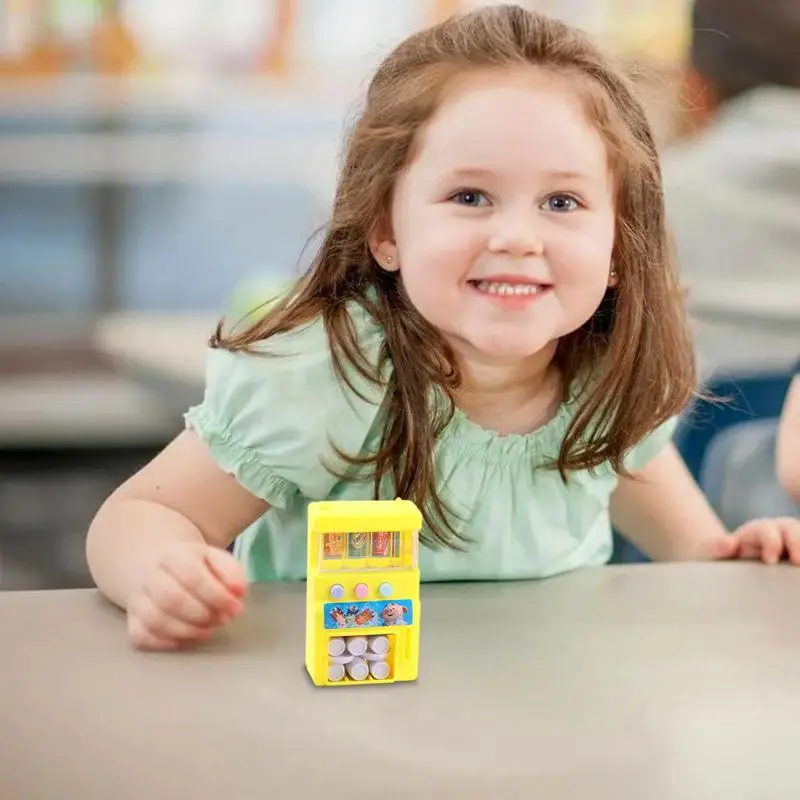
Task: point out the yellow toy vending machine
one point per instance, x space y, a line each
362 592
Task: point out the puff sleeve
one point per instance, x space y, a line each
273 418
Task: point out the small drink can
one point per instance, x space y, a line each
336 646
357 669
379 670
335 673
378 644
381 544
334 545
358 543
357 645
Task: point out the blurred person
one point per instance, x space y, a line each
492 328
732 187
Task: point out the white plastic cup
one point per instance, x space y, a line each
336 646
357 669
345 659
357 645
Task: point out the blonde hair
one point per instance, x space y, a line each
636 346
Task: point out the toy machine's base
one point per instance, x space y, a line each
360 659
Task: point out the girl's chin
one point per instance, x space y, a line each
510 350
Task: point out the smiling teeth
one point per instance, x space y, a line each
493 287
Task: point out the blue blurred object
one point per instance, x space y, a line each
183 242
738 398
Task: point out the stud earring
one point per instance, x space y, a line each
389 259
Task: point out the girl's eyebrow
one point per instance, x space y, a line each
472 173
568 175
467 173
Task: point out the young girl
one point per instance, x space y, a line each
491 328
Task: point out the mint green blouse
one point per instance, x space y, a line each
272 421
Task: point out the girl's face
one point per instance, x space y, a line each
502 226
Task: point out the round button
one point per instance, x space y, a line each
361 590
385 590
337 591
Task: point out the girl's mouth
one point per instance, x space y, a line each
511 289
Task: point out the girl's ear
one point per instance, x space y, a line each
613 280
383 248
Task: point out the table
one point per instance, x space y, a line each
666 682
164 352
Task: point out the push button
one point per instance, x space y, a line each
361 590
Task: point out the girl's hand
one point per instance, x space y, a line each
194 589
768 540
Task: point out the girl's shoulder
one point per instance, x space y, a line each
272 415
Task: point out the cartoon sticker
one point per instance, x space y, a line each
372 614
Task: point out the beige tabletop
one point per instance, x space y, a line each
650 682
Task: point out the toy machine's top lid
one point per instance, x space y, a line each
343 516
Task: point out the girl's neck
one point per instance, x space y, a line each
509 397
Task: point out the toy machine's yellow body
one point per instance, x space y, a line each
362 592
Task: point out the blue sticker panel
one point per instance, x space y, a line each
372 614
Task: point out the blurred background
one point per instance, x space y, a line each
162 163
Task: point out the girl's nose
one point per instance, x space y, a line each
517 235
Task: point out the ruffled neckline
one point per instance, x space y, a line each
541 445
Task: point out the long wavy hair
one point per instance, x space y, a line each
636 347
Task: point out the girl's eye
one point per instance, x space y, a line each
470 197
561 203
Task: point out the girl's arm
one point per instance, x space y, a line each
180 497
662 510
788 455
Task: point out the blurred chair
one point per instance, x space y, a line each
728 444
738 474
